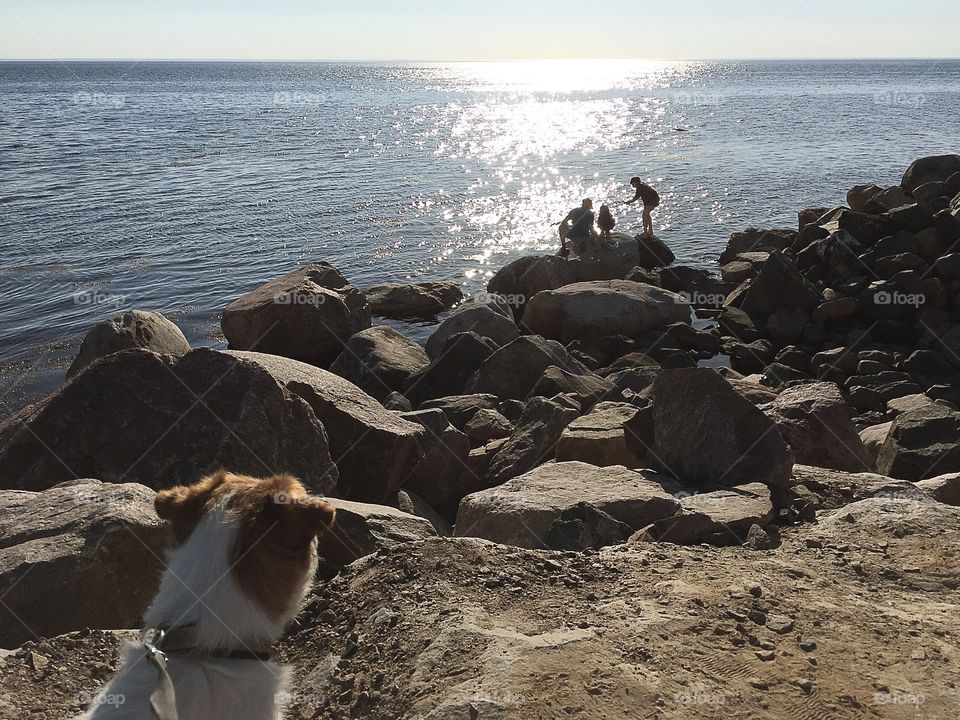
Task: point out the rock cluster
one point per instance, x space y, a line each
570 408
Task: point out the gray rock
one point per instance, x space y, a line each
534 438
136 416
460 409
943 488
449 372
444 458
814 420
379 360
522 511
835 489
489 316
127 331
486 425
602 308
929 169
307 315
722 517
588 389
417 300
922 444
360 529
707 434
873 438
514 370
375 449
83 554
599 437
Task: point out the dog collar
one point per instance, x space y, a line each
180 639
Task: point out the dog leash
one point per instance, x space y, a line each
163 700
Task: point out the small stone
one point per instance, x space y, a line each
758 683
766 655
37 662
808 644
805 684
780 624
813 543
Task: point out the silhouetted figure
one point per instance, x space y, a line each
605 222
650 199
578 227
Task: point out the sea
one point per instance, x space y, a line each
180 186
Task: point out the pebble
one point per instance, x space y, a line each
808 644
780 624
758 683
766 655
805 684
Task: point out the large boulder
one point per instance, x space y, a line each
449 372
587 389
489 316
721 517
707 434
447 449
306 315
778 285
922 444
534 438
360 529
523 278
136 416
374 448
460 409
757 240
929 169
943 488
522 511
601 308
127 331
814 420
425 299
379 360
599 437
514 370
83 554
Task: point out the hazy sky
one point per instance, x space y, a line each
479 29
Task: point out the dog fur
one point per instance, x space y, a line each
244 560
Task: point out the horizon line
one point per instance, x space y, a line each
483 60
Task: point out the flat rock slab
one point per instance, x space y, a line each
603 308
599 437
84 554
835 489
363 528
416 300
521 511
721 517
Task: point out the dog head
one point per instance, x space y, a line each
269 526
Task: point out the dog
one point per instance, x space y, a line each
605 222
244 558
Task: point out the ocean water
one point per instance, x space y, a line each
179 186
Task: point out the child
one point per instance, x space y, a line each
605 222
650 198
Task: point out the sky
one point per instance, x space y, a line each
476 30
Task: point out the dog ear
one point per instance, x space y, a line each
182 506
306 519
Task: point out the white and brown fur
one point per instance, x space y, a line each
244 560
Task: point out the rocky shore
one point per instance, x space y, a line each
609 486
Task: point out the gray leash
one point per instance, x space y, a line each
163 700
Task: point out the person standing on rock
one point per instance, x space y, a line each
650 199
578 226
